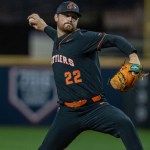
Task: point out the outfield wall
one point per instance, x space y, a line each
28 94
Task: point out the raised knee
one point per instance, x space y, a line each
125 122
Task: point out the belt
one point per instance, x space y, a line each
81 102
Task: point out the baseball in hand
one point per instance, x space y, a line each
31 21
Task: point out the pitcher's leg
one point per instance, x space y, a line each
109 119
63 130
125 129
128 134
58 139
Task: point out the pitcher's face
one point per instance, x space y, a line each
67 22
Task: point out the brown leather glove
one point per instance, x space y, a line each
126 77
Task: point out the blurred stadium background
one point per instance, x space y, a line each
28 98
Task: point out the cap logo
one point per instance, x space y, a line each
71 6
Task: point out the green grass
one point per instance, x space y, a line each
29 138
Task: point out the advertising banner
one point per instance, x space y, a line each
27 91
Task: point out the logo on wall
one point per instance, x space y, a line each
32 91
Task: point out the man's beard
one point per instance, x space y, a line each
67 28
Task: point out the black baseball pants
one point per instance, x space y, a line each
70 122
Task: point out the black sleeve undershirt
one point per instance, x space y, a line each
120 42
51 32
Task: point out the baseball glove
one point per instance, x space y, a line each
126 77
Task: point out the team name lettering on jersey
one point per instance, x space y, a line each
62 59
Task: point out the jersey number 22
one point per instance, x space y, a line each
73 77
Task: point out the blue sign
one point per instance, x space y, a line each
32 91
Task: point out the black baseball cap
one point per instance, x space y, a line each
68 6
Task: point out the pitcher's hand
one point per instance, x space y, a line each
134 59
37 22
